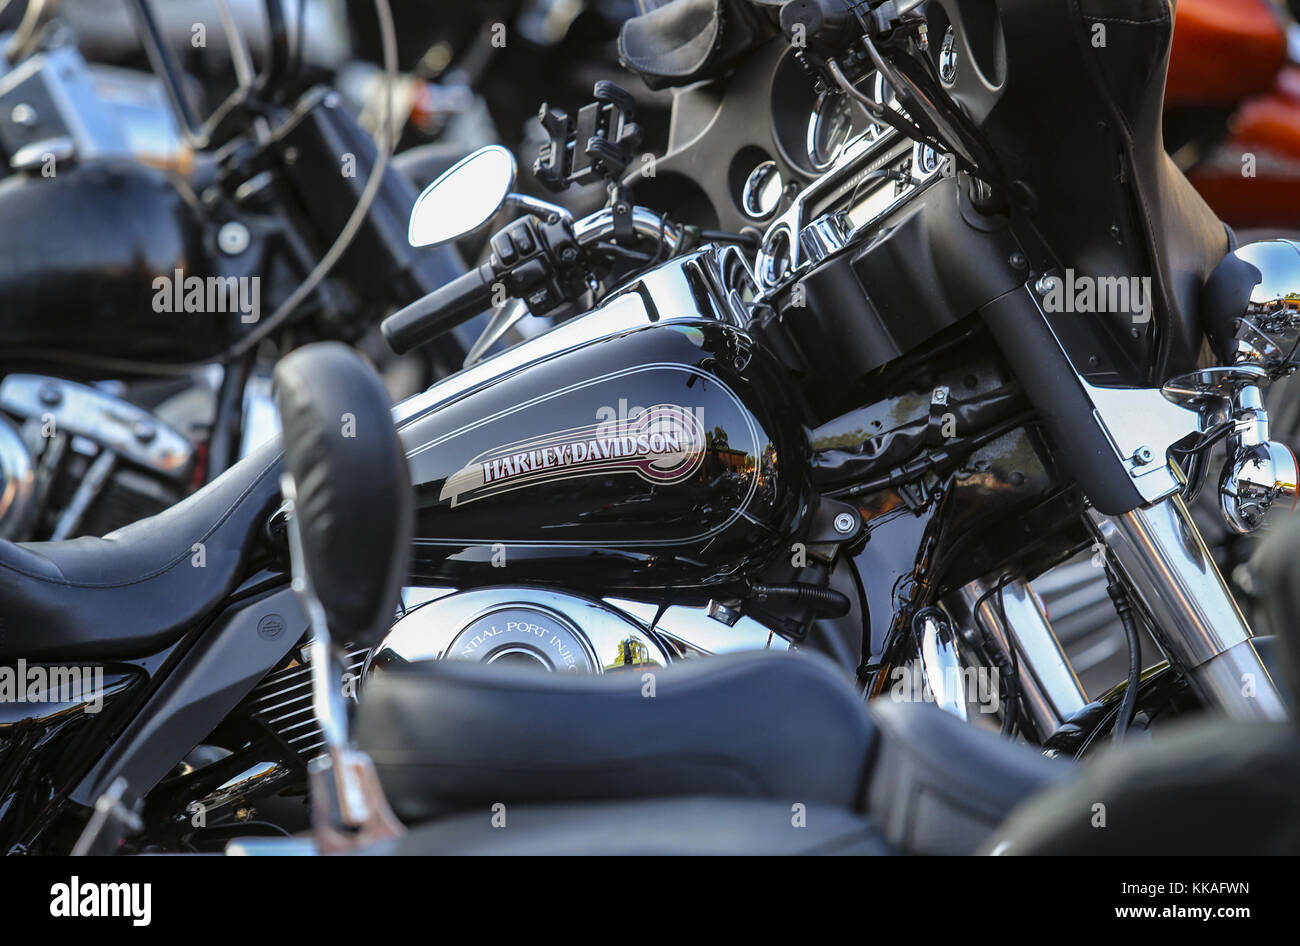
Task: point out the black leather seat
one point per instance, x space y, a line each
660 826
452 735
135 590
753 730
1212 788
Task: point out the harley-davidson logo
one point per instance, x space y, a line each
663 444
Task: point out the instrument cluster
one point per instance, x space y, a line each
864 170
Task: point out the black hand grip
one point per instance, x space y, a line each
439 311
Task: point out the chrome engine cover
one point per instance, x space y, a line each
554 630
550 630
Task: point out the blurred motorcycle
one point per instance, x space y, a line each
169 251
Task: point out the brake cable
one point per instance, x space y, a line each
1008 664
1124 608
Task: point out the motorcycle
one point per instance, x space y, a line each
864 444
703 757
272 221
1231 111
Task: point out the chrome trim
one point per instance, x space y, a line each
1140 423
257 778
860 157
580 634
1049 688
414 595
755 200
942 665
600 226
131 432
272 847
261 419
830 99
700 633
1193 615
502 321
674 286
689 628
825 236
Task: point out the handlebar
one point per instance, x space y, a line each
601 226
466 296
439 311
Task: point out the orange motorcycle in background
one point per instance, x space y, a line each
1232 111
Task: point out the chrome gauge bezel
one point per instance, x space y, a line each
828 102
761 194
833 100
860 157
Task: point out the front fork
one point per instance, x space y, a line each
1192 614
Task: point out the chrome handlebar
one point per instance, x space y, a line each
600 226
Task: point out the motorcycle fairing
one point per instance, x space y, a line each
1087 163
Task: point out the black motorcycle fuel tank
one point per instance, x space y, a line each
79 265
646 444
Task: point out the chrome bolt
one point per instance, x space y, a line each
1143 455
50 394
233 238
24 115
1045 284
845 523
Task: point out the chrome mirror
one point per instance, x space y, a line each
464 198
1261 340
1269 329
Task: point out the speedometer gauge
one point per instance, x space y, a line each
829 129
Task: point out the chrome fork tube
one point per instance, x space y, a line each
1049 689
1194 616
